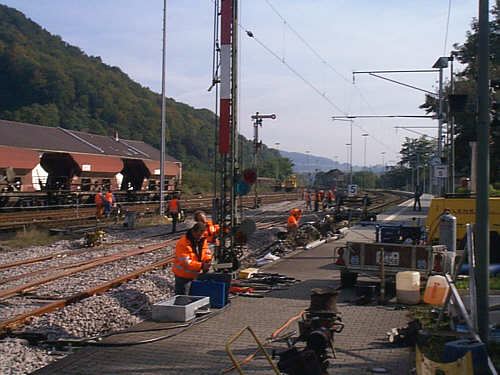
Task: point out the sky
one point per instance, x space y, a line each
322 41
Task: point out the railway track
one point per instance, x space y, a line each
49 218
50 273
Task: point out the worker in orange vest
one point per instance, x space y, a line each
211 229
192 257
293 222
99 204
109 199
174 208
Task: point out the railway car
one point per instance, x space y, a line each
46 166
58 180
290 183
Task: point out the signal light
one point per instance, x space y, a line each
250 176
242 188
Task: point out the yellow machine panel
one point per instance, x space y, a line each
464 209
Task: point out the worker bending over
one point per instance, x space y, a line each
192 257
293 222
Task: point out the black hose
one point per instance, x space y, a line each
92 340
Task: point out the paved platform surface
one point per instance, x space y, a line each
201 348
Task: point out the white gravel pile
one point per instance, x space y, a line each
117 309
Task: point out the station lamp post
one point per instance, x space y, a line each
350 143
349 160
277 144
364 135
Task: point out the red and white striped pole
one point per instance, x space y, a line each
225 77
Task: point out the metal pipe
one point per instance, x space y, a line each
452 131
483 166
350 159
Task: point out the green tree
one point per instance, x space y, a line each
465 122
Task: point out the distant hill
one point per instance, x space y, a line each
304 163
47 81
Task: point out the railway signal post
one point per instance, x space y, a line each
257 145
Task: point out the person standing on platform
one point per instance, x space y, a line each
192 258
173 210
417 195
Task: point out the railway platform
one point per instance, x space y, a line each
360 347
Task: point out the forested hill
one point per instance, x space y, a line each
46 81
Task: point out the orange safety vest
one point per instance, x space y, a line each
173 205
109 197
98 199
211 231
293 222
187 263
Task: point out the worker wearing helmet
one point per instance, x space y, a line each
293 222
192 257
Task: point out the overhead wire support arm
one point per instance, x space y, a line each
381 116
375 73
402 84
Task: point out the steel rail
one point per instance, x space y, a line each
20 218
11 323
93 264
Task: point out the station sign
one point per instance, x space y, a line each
352 190
441 171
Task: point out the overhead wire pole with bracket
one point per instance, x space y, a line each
163 113
438 67
228 133
483 165
350 120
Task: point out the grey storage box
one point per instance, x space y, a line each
179 308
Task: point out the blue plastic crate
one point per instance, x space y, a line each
217 292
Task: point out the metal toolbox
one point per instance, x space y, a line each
179 308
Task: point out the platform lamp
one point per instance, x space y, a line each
364 135
349 160
350 143
277 144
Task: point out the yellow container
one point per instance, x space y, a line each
408 287
436 290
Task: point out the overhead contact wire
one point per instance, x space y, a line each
308 83
327 64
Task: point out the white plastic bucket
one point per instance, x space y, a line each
408 287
